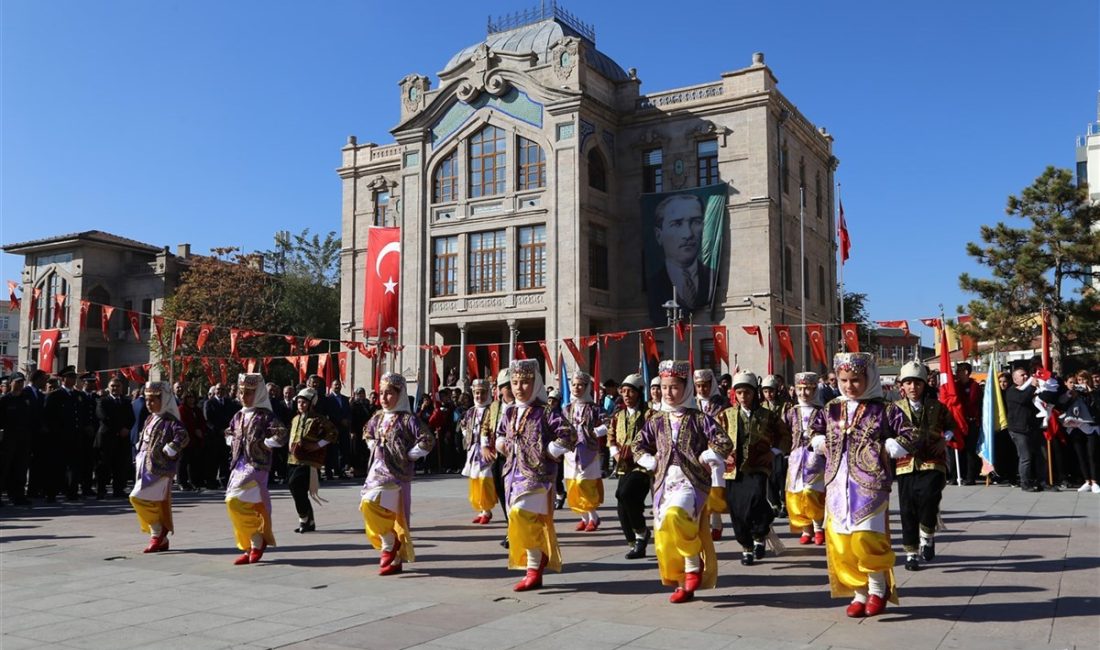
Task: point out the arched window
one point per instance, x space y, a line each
445 180
531 167
487 162
597 170
46 312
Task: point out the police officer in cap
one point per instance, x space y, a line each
16 421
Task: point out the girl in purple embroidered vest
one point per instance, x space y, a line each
479 455
806 471
862 434
709 400
396 439
582 470
162 439
253 433
531 438
681 445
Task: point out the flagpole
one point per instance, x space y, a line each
802 262
841 270
946 350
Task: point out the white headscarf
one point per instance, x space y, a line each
482 383
585 398
398 381
680 370
861 363
705 374
168 404
255 381
523 368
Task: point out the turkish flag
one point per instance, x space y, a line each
649 343
13 301
266 362
341 362
293 341
443 350
786 347
471 363
59 309
250 364
816 333
135 323
721 349
494 361
322 367
303 367
209 370
47 349
575 351
842 237
34 301
754 330
681 328
234 337
105 320
383 274
313 342
177 339
185 363
520 352
546 356
158 326
903 324
223 370
85 305
851 336
590 340
205 330
968 343
930 322
949 396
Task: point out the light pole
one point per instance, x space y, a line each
674 314
391 337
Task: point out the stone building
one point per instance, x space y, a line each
518 180
104 269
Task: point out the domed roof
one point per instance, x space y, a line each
538 38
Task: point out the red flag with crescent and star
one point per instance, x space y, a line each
721 350
494 360
135 323
902 324
13 301
341 363
85 305
471 363
177 340
576 352
649 344
47 349
754 330
105 320
35 295
383 275
546 356
59 309
205 330
851 336
786 346
209 370
816 333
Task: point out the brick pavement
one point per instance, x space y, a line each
1015 570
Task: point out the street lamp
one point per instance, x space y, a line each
674 314
391 338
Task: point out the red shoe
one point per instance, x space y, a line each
592 526
478 519
691 581
855 610
533 580
254 554
243 559
157 544
805 539
875 605
389 556
390 569
819 537
716 534
486 518
681 595
581 525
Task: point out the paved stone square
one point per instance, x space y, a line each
1014 570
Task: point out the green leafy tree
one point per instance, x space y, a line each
1049 263
307 256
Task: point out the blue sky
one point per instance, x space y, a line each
217 123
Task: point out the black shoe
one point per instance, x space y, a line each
912 563
559 504
504 542
969 482
747 558
307 527
927 551
759 550
1033 488
638 551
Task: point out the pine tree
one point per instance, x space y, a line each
1050 263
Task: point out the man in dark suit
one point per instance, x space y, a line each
64 412
219 410
89 424
112 444
338 408
679 232
16 411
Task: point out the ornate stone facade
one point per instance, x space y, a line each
540 91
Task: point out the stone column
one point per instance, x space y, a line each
513 336
462 357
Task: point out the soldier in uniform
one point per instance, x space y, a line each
17 410
89 425
922 476
64 413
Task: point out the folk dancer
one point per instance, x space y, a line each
679 445
634 480
310 433
709 400
253 433
160 442
531 439
479 455
861 432
773 394
489 426
396 439
806 471
582 467
922 477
